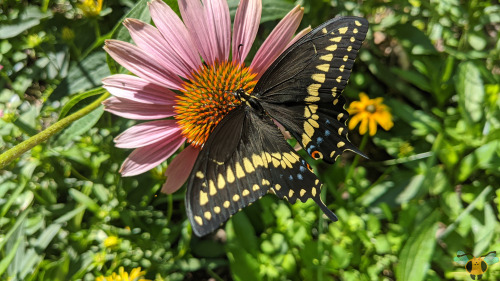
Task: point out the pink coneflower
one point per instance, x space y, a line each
184 71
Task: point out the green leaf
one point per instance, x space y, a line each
4 264
483 233
27 19
84 199
80 126
76 99
470 92
478 158
413 39
84 75
416 255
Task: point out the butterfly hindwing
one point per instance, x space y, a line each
261 161
302 88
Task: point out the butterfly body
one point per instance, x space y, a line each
246 155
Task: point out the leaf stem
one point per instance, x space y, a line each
18 150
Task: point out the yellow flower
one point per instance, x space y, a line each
111 241
91 8
369 112
135 275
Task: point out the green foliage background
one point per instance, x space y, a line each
429 189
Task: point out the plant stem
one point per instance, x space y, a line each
356 160
18 150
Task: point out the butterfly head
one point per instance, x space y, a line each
241 95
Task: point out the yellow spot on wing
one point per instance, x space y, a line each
324 30
257 160
345 57
265 182
198 220
328 57
313 108
341 68
255 187
323 67
248 165
332 48
236 197
335 101
340 116
313 123
305 139
313 89
336 39
207 215
302 192
355 31
277 187
311 99
308 129
245 192
239 171
343 30
340 130
230 176
339 79
203 198
200 175
226 204
357 23
349 48
340 144
313 191
211 184
290 193
318 77
220 182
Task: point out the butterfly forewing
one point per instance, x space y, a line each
302 88
261 161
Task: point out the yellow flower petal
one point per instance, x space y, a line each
356 119
373 126
364 126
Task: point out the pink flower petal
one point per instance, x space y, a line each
141 64
179 169
277 41
298 36
246 24
150 40
137 111
138 90
175 33
145 158
147 133
202 33
217 13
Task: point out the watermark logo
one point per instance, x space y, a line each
476 267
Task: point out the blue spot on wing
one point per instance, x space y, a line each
302 168
327 133
290 177
319 140
300 177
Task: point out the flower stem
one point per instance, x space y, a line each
18 150
355 161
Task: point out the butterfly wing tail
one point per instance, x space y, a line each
331 215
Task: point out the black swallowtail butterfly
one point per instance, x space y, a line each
246 156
